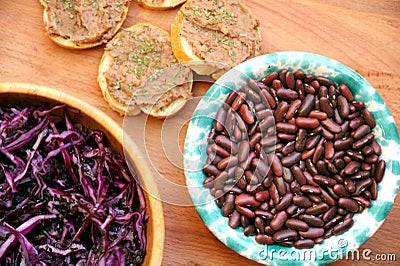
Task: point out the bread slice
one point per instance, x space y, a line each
160 4
138 72
209 31
83 24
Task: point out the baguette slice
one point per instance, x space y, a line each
83 24
160 4
223 31
138 72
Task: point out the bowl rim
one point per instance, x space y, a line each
154 252
194 125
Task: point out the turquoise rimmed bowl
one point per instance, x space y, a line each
195 156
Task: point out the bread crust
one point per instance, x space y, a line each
132 108
66 42
160 5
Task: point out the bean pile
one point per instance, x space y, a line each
291 159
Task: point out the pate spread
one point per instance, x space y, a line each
85 21
142 69
221 30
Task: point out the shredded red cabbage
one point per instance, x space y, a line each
65 197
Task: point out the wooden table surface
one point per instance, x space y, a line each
363 34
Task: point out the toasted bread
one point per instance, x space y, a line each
70 24
160 4
135 73
215 31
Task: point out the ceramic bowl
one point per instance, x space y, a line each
333 248
93 118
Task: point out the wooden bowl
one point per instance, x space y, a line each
93 118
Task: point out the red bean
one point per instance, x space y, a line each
227 162
330 214
288 95
228 206
380 171
220 118
310 189
312 232
307 105
307 123
244 150
325 106
267 80
301 139
345 91
268 97
359 144
343 226
348 204
291 159
280 111
361 131
278 221
331 125
293 107
234 219
262 195
327 198
239 100
300 89
312 220
264 239
351 168
324 180
318 114
369 119
296 224
290 81
286 128
251 94
265 214
245 211
317 209
284 235
266 123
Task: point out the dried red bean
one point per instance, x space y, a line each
345 91
234 219
325 106
296 224
307 123
280 111
306 106
264 239
312 232
312 220
239 100
293 107
317 209
343 226
278 221
291 159
380 171
348 204
228 206
301 139
284 235
369 119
